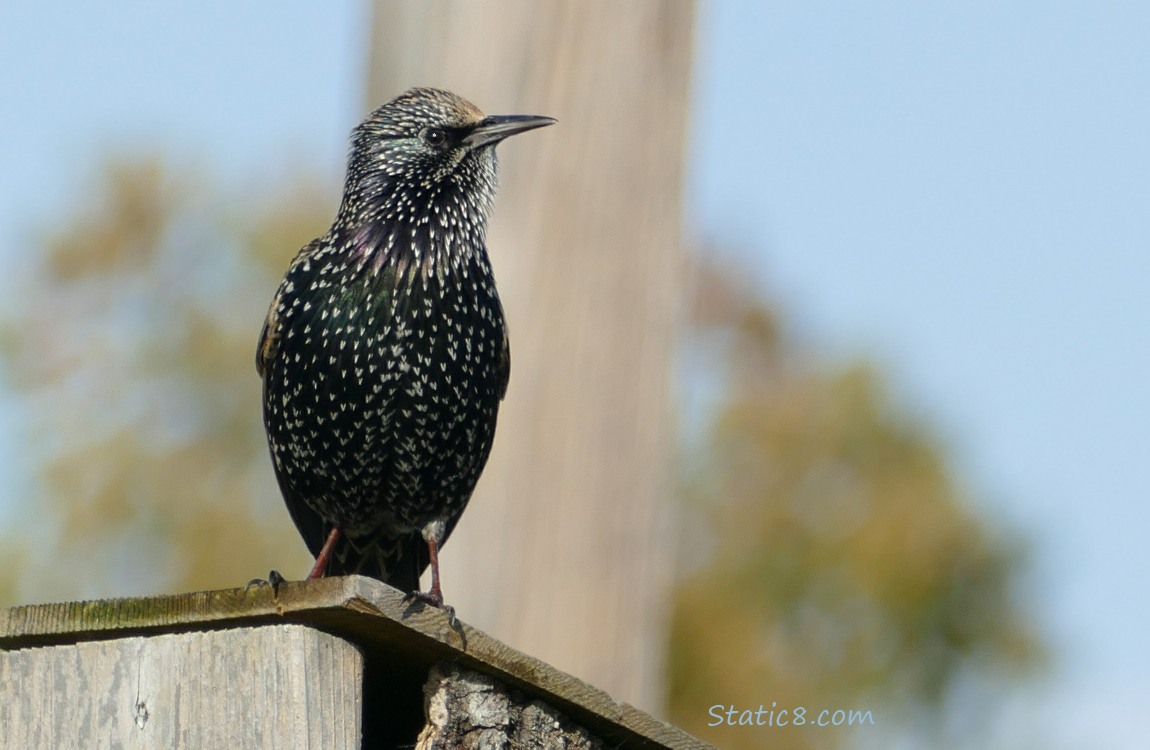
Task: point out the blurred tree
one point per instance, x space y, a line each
831 561
133 352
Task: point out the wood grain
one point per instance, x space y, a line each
277 686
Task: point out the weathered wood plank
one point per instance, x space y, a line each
404 639
285 686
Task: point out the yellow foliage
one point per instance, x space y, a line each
134 351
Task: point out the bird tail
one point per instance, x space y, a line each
397 561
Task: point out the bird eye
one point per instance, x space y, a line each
435 136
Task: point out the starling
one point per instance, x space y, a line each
384 355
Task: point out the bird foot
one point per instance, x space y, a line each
435 599
274 579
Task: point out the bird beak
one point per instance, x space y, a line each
495 128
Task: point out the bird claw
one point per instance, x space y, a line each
435 599
274 579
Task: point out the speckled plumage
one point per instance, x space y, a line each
385 354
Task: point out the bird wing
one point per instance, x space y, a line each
311 526
269 334
504 357
269 340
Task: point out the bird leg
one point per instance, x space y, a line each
435 595
320 567
432 534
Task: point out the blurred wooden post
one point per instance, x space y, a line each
566 549
337 664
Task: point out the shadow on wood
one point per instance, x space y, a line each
334 663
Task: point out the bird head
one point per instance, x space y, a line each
424 147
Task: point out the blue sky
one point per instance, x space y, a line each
963 191
960 191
